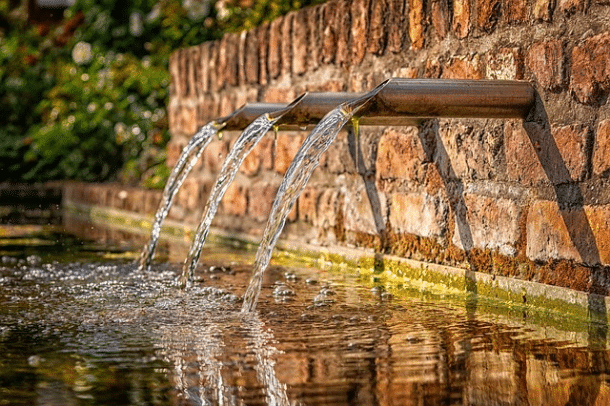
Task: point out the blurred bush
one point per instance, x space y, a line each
85 99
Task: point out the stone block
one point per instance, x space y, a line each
400 154
419 214
260 157
262 35
274 51
462 11
187 120
515 11
308 203
488 14
287 43
601 148
279 95
464 67
441 17
543 9
240 58
299 41
416 23
504 64
286 147
235 200
581 234
546 61
330 33
378 30
365 210
359 30
261 196
571 6
251 57
590 73
314 28
215 154
174 149
174 73
487 223
343 23
328 213
558 157
213 66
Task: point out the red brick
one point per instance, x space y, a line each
215 154
360 15
416 23
488 14
194 59
463 67
363 213
398 23
590 73
251 57
343 23
240 58
307 203
601 149
314 36
330 34
329 203
461 18
546 60
235 200
260 157
287 44
400 154
274 56
279 95
558 158
286 147
378 29
441 17
491 223
505 64
578 234
418 214
300 55
261 196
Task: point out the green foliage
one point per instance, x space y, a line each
86 99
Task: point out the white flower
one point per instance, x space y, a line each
81 53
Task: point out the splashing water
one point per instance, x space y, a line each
189 157
248 139
297 175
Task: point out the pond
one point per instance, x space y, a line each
79 325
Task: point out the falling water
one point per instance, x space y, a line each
299 172
189 157
244 144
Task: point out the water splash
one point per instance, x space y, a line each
188 158
248 139
299 172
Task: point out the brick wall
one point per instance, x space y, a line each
523 199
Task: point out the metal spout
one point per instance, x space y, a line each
404 102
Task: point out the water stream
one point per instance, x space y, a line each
188 158
248 139
305 162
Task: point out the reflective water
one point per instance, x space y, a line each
79 325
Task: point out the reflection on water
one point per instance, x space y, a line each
80 327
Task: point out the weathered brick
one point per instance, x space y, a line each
463 67
260 157
279 95
204 67
262 35
461 18
441 17
251 57
174 72
330 34
174 149
214 81
546 61
187 119
274 56
194 58
572 234
488 14
378 33
487 223
398 23
543 9
235 200
571 6
590 73
287 44
419 214
400 154
286 147
505 64
227 61
307 203
261 196
416 23
601 149
343 23
314 36
360 15
515 11
329 212
215 154
299 41
364 213
189 196
240 57
557 158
